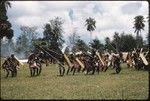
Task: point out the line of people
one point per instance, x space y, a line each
87 62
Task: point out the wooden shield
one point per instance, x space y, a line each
124 55
68 61
100 58
143 59
19 61
80 63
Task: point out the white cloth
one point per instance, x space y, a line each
34 64
110 57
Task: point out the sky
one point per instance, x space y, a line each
110 16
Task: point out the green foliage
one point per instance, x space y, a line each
96 44
30 32
24 42
108 44
90 23
53 34
116 41
138 25
5 25
72 40
122 42
4 4
147 42
80 45
128 85
40 42
48 33
127 42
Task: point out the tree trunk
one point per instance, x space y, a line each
90 36
137 40
9 40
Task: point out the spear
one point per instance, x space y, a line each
50 55
54 52
113 47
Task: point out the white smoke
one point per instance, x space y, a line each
71 14
64 48
8 48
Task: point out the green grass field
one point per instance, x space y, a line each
129 84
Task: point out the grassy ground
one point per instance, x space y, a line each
129 84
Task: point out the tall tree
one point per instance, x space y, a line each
22 45
116 40
25 41
141 42
138 26
5 25
148 34
48 33
53 34
90 23
57 30
108 44
31 33
127 42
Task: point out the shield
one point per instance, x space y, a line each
100 58
19 61
33 65
124 55
143 59
68 61
80 63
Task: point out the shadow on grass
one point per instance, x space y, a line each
113 73
9 77
32 76
75 75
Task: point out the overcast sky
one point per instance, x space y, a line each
110 16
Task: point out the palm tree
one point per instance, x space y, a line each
5 25
148 35
138 25
90 23
147 19
5 3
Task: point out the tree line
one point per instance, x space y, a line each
53 39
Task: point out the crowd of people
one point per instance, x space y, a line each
86 62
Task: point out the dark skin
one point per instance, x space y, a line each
117 64
38 68
6 65
89 64
10 65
